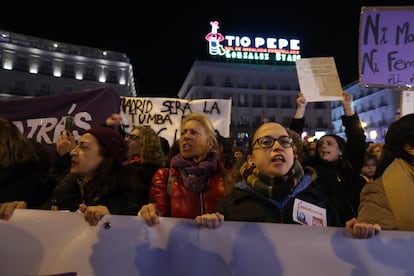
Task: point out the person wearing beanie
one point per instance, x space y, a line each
98 183
338 161
112 142
386 202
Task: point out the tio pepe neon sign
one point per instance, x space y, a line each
269 49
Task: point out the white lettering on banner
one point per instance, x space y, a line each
164 115
40 128
36 242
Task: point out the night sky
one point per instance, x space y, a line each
166 40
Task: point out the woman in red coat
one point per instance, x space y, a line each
195 180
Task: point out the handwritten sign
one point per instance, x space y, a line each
386 45
318 79
164 115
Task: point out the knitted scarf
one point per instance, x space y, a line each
195 176
276 188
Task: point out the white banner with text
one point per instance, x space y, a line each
36 242
164 115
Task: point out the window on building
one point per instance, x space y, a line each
67 89
286 120
243 100
22 64
242 82
90 74
227 96
286 86
286 102
44 90
207 95
257 121
243 121
271 86
68 71
46 67
382 102
228 82
257 101
209 81
363 107
272 101
112 76
19 88
257 85
320 123
319 105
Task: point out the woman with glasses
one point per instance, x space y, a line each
272 186
144 146
145 154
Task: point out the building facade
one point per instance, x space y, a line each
31 67
263 93
259 93
377 109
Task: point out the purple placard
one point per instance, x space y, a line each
43 118
386 47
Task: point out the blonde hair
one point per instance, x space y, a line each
150 150
208 125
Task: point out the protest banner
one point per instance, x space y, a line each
36 242
43 118
164 115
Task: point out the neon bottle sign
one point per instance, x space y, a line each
267 49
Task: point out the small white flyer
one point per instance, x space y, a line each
307 213
407 102
318 79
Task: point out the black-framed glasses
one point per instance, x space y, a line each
132 136
269 141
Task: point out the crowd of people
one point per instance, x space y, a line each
276 177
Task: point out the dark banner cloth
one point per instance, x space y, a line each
43 118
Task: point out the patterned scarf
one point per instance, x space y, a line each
276 188
195 176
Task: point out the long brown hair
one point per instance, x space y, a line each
111 177
14 146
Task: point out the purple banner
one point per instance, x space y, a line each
386 42
43 118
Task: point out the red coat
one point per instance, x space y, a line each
180 201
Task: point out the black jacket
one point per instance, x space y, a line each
25 182
243 204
